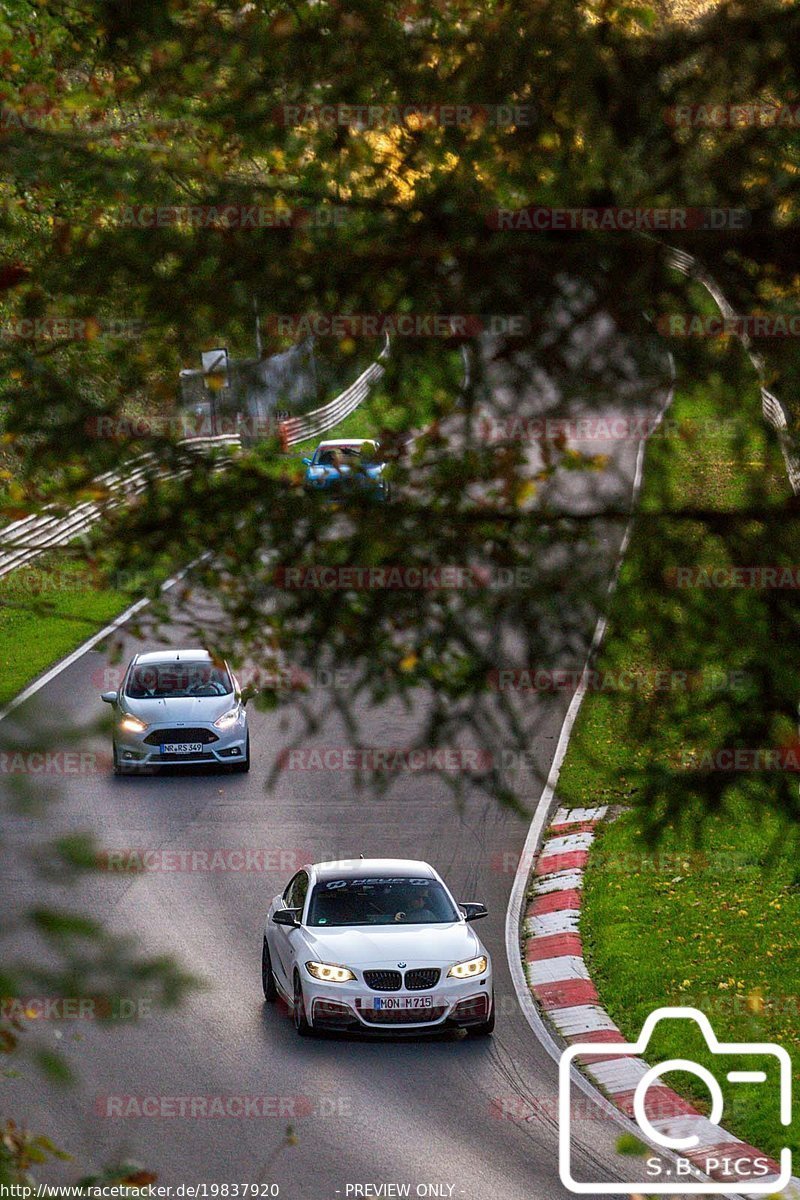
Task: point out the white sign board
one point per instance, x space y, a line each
215 362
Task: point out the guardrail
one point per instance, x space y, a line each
774 413
300 429
24 540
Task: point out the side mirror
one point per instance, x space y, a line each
473 911
109 697
287 916
306 461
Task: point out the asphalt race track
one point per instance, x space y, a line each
475 1117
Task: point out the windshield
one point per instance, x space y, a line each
346 456
380 901
161 681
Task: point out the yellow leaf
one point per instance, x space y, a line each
409 662
526 491
755 1001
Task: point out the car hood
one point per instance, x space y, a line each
388 945
179 711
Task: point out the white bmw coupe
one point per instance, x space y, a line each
376 945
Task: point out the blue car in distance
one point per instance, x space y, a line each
347 465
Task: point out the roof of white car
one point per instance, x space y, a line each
347 442
355 868
165 656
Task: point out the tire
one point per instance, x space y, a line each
302 1027
267 978
241 768
486 1028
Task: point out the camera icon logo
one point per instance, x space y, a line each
681 1135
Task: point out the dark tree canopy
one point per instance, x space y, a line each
114 111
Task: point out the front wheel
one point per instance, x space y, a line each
299 1010
267 978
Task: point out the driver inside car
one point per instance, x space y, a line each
145 684
416 907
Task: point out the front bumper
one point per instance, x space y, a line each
142 750
456 1003
339 489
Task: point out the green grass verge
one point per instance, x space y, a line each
709 918
49 608
360 424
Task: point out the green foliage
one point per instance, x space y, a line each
683 907
715 484
121 111
109 111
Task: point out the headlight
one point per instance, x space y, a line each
227 719
133 725
470 968
329 972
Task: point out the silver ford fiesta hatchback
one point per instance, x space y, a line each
178 708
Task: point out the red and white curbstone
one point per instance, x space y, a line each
559 981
